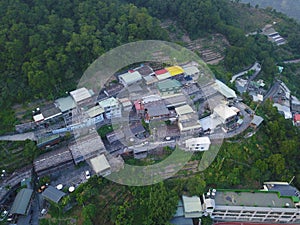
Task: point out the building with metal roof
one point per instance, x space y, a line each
256 121
175 101
113 90
175 70
50 111
53 194
52 161
48 140
100 165
169 87
296 120
284 110
21 203
65 104
192 207
144 70
156 110
130 77
162 74
226 91
284 188
95 111
150 79
81 95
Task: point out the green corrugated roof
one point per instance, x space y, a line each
168 84
295 199
22 201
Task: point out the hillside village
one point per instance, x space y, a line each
137 113
78 139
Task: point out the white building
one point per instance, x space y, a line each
111 107
224 90
252 206
192 207
96 112
225 113
190 70
100 165
130 77
197 144
81 95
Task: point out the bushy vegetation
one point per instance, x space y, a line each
47 45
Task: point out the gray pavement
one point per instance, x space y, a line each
18 137
256 67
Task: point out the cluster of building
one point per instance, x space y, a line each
169 96
287 104
273 35
278 202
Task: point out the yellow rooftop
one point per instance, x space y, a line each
175 70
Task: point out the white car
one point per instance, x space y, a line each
87 174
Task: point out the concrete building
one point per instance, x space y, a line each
126 104
192 207
183 110
111 107
46 113
86 147
100 165
226 114
188 124
197 144
96 112
129 78
252 206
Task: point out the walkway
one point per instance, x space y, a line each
19 137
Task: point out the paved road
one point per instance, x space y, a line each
247 223
272 91
292 61
18 137
256 67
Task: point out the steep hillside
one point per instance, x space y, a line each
289 7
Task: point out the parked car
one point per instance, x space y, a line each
87 174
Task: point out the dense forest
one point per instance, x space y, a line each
45 46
